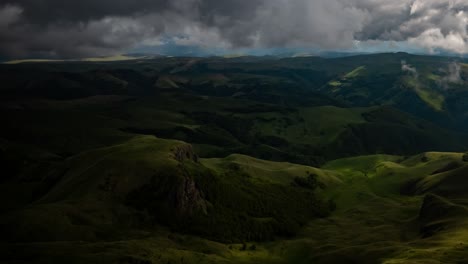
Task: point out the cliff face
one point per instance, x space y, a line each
144 176
172 191
184 152
188 199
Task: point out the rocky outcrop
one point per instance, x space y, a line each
188 199
184 152
173 191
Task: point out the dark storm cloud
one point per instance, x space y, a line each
50 11
57 28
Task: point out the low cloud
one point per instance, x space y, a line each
408 68
452 75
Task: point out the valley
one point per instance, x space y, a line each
358 159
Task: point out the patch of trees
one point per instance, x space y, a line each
239 209
238 127
310 182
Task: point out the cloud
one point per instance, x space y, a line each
408 68
56 28
9 14
323 24
433 39
453 75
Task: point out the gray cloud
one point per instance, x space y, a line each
452 75
56 28
410 69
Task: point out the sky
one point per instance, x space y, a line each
89 28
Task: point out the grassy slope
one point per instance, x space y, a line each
374 221
432 97
233 89
273 172
317 125
217 126
89 204
402 221
384 213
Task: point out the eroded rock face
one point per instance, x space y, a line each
188 199
184 152
171 195
173 191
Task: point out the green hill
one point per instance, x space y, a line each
148 180
382 212
235 160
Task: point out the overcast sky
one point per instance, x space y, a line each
83 28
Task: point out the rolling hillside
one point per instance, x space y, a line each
358 159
